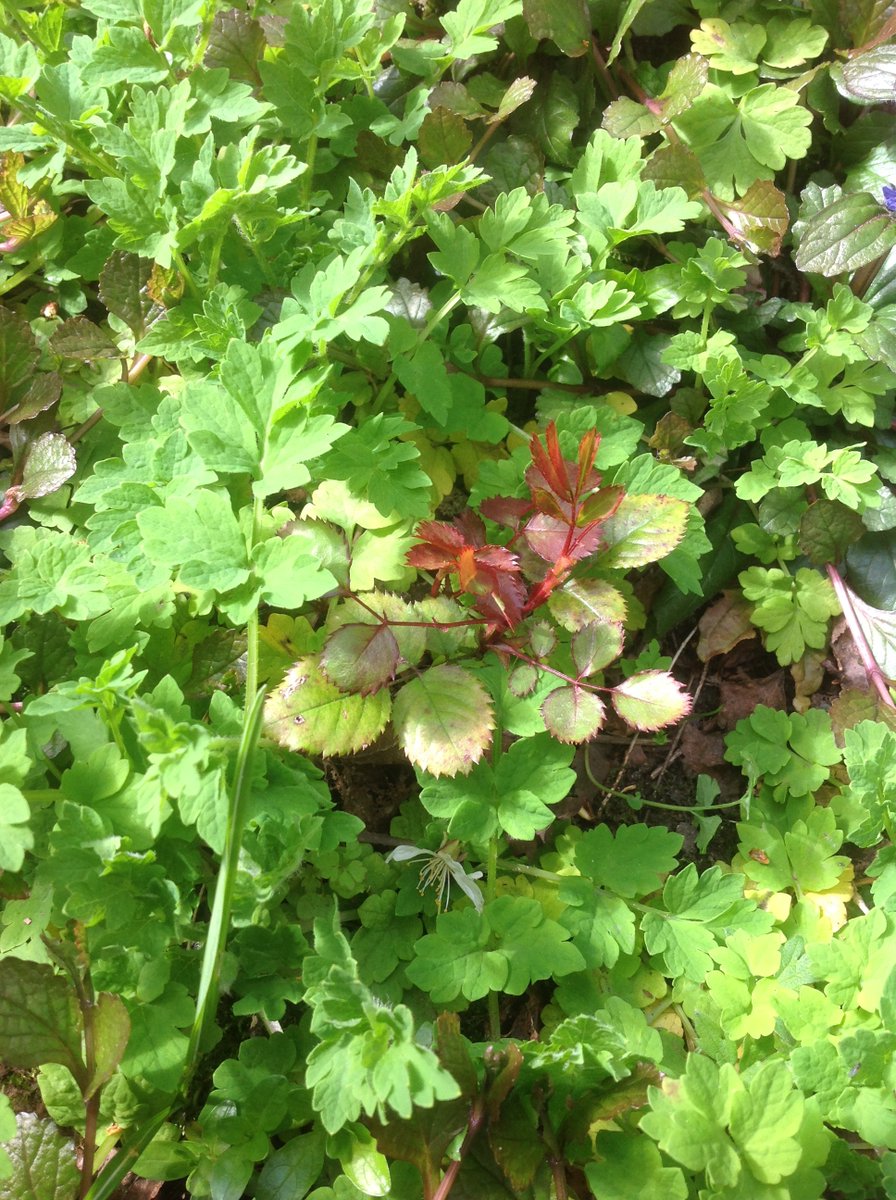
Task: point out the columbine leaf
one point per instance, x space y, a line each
631 863
43 1162
50 462
15 836
651 700
642 530
573 714
308 713
40 1021
443 720
360 658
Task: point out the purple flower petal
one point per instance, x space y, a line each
890 197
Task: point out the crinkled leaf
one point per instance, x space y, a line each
236 42
642 530
443 720
842 232
308 713
40 1021
870 76
50 462
123 289
18 357
444 138
44 1166
360 658
827 530
573 714
82 339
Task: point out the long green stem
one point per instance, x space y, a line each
213 956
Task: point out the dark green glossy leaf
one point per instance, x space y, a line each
844 231
567 23
827 530
50 462
123 289
444 137
40 1021
870 76
82 339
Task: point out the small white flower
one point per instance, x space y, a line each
439 870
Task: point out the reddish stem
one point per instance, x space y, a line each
873 671
477 1117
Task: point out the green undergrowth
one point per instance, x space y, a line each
406 381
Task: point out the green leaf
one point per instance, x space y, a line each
740 1132
443 137
627 1165
511 796
626 118
651 700
759 218
580 602
123 289
111 1031
740 141
443 720
15 836
699 912
573 714
642 530
731 48
504 948
793 611
631 863
291 1171
827 530
43 1162
841 231
40 1021
50 462
308 713
199 538
567 23
467 24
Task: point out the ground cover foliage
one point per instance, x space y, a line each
427 427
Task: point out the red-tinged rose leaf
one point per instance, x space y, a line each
523 679
580 601
600 505
371 608
503 602
642 530
504 510
542 638
596 646
547 536
651 700
443 720
309 714
546 502
549 469
360 658
573 714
